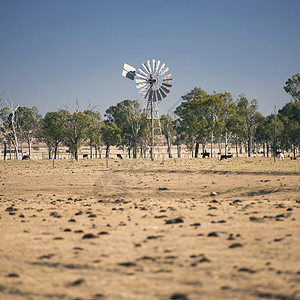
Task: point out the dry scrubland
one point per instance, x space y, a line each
191 229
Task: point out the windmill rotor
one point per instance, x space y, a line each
151 75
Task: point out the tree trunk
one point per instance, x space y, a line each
249 147
179 151
135 147
268 149
16 151
91 150
169 146
107 151
100 152
211 144
129 152
236 148
49 153
203 148
29 146
226 144
5 150
76 155
197 150
264 149
55 150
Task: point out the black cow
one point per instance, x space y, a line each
119 156
205 154
226 156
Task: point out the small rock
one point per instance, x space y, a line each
13 275
179 296
213 234
174 221
75 283
235 245
89 236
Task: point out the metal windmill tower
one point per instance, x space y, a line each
153 81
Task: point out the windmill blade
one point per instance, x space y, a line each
146 68
141 76
159 97
145 95
140 80
164 71
161 68
162 93
149 65
144 90
142 72
153 65
157 66
141 87
167 75
129 75
167 85
167 80
165 89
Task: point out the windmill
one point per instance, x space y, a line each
153 81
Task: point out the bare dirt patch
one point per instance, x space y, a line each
188 229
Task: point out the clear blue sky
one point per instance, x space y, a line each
52 52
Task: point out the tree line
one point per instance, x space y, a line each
200 121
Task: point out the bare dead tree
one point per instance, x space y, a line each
9 123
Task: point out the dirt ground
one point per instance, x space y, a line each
182 229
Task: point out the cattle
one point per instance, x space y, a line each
281 156
226 156
119 156
85 156
205 154
293 157
26 156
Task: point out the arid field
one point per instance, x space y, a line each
137 229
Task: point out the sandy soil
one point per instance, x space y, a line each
188 229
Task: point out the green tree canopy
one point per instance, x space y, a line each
292 86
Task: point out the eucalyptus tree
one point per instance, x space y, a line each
144 136
8 124
191 124
28 124
228 118
168 130
53 129
75 130
111 135
290 117
249 117
269 131
188 124
94 131
127 116
292 86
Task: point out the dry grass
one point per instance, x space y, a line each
185 229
